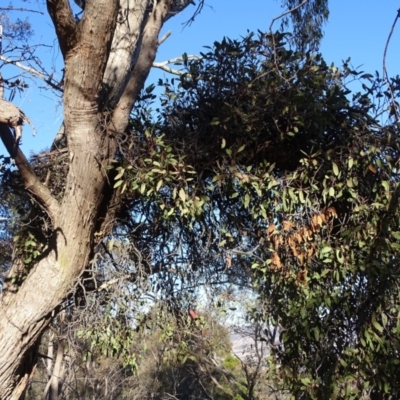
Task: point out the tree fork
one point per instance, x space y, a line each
89 203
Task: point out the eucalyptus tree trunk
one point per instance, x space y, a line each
107 54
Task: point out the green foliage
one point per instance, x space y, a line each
21 238
263 168
231 362
307 21
173 353
300 178
18 30
109 338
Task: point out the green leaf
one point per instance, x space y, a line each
326 249
339 256
241 148
377 326
246 200
385 184
117 184
120 174
384 319
335 169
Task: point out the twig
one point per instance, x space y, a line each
273 38
32 71
23 67
21 9
164 38
31 182
272 23
385 74
168 69
196 13
164 64
286 13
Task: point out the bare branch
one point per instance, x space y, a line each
286 13
1 86
114 281
164 64
164 38
147 54
124 48
65 25
168 69
20 9
273 36
48 79
31 181
197 11
385 73
32 71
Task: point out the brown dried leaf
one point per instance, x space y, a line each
331 212
299 236
277 240
307 234
228 260
276 261
314 223
291 242
300 257
310 253
301 277
287 225
270 230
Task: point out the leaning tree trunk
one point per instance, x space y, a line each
108 55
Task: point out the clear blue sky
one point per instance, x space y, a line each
356 29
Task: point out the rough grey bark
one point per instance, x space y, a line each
107 55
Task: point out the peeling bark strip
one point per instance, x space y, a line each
12 116
108 55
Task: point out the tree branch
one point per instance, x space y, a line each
32 71
11 8
147 53
84 67
64 23
31 181
272 34
164 65
286 13
395 107
124 53
164 38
